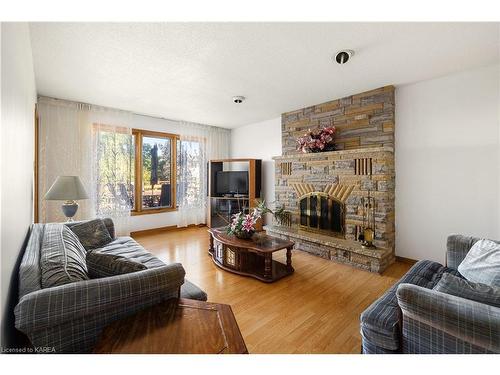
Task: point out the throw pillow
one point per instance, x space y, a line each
92 234
104 265
62 257
456 286
482 263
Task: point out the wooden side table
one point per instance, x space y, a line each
177 326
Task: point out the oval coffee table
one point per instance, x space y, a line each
252 257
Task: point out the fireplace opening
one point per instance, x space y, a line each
320 212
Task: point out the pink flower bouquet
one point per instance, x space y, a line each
243 225
318 140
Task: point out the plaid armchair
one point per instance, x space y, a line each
412 318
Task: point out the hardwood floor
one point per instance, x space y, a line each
315 310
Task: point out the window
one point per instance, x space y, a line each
155 177
148 172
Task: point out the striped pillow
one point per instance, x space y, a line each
104 265
62 258
456 286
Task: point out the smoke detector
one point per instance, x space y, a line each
343 56
238 99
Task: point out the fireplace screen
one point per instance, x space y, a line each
321 212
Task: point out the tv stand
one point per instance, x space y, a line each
221 208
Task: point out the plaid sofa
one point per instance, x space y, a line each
69 318
412 318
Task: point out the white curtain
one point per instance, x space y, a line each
198 144
92 143
112 168
64 142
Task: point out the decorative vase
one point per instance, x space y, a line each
244 235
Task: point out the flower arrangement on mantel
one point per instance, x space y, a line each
317 140
243 225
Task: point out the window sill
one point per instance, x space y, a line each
153 211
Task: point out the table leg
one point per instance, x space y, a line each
268 258
289 259
211 246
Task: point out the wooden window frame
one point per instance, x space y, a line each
138 134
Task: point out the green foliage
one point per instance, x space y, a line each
279 213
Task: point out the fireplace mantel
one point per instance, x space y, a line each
335 155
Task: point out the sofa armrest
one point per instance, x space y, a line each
457 247
429 315
110 297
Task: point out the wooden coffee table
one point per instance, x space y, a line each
252 257
176 326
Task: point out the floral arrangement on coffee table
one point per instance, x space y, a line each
243 225
317 140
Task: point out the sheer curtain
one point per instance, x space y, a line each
93 143
112 166
198 144
64 142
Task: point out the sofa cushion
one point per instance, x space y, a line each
482 263
104 265
62 257
128 248
478 292
92 234
381 321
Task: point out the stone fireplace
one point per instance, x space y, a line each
324 191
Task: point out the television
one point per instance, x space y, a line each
231 182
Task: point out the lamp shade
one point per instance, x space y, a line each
66 188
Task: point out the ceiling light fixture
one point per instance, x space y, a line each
343 56
238 99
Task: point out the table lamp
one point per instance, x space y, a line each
68 189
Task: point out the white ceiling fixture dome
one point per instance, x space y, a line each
238 99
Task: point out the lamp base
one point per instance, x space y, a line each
69 209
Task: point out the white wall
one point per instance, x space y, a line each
447 154
261 140
18 104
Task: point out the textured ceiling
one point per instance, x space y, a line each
190 71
